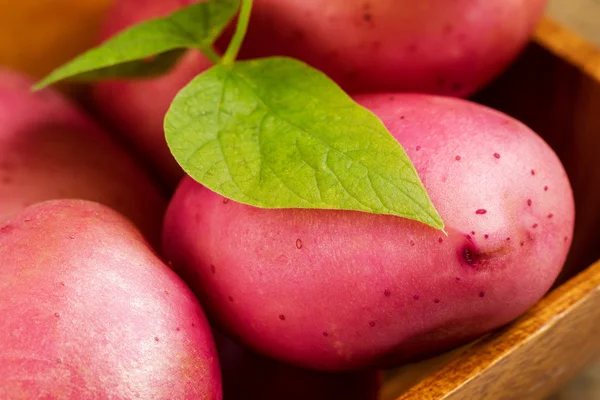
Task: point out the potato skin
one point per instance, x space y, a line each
136 108
450 47
90 312
49 150
339 290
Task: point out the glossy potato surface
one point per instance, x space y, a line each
90 312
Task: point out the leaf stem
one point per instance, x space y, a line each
240 33
211 54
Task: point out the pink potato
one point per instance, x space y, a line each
451 47
49 149
90 312
249 376
340 290
137 107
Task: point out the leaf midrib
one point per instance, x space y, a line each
302 130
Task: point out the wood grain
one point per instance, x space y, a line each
569 46
530 358
554 87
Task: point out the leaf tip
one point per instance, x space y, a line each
438 224
40 85
45 82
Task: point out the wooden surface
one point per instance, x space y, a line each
581 16
39 35
570 46
555 89
531 358
585 386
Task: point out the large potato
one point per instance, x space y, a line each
50 150
249 376
436 46
137 108
89 312
339 290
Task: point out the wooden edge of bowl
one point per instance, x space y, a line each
559 333
531 357
569 46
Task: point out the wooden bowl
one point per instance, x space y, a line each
554 87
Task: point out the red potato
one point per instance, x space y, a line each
451 47
340 290
136 108
49 150
249 376
90 312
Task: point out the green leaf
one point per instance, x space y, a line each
276 133
151 47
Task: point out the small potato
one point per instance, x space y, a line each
451 47
341 290
51 150
249 376
137 107
90 312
